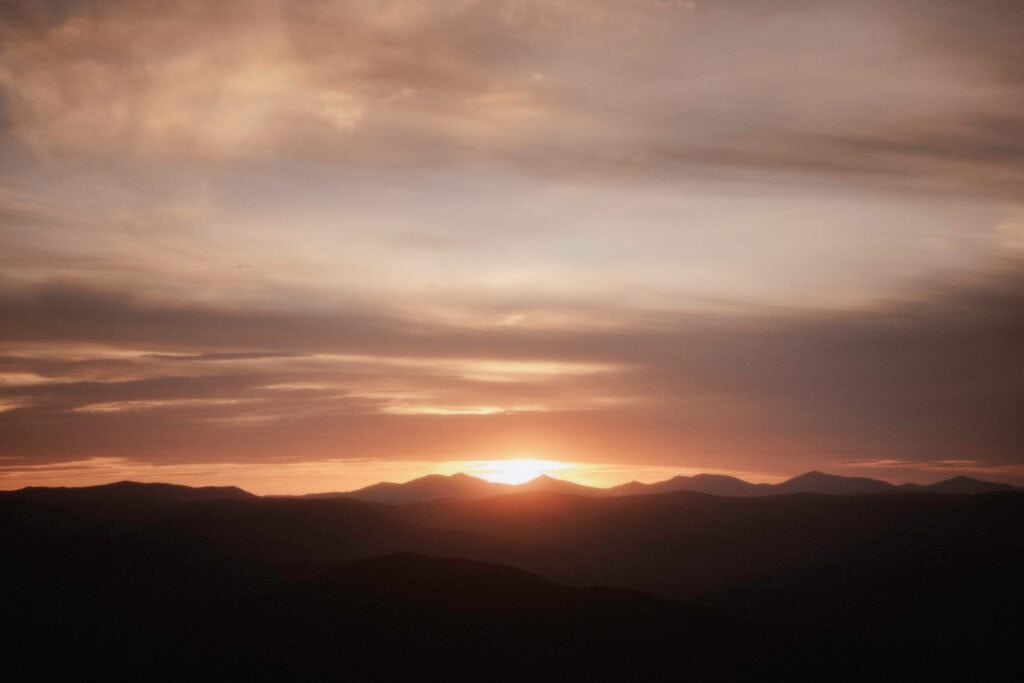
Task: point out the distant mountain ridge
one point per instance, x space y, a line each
430 487
819 482
461 486
465 487
714 484
962 485
132 491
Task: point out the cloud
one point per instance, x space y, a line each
131 406
124 77
579 89
932 376
675 233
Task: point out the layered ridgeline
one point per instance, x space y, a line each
150 580
464 487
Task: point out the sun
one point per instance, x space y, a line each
516 471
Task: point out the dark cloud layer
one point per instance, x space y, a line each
935 378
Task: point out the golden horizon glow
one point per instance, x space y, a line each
319 476
515 471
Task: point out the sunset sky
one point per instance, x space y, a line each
306 246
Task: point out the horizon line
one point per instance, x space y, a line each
541 476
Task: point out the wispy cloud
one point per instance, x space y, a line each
929 378
131 406
853 89
737 236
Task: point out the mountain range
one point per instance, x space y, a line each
126 491
462 486
465 487
141 581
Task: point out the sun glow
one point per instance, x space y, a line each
516 471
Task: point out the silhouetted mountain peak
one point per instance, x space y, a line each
816 481
720 479
713 484
426 488
134 491
964 485
815 475
547 483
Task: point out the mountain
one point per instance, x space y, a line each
904 582
414 617
430 487
128 491
810 482
819 482
548 484
968 486
455 486
714 484
464 487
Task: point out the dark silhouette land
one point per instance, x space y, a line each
542 581
463 486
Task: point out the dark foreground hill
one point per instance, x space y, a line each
412 617
421 617
825 587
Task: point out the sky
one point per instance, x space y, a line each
309 246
